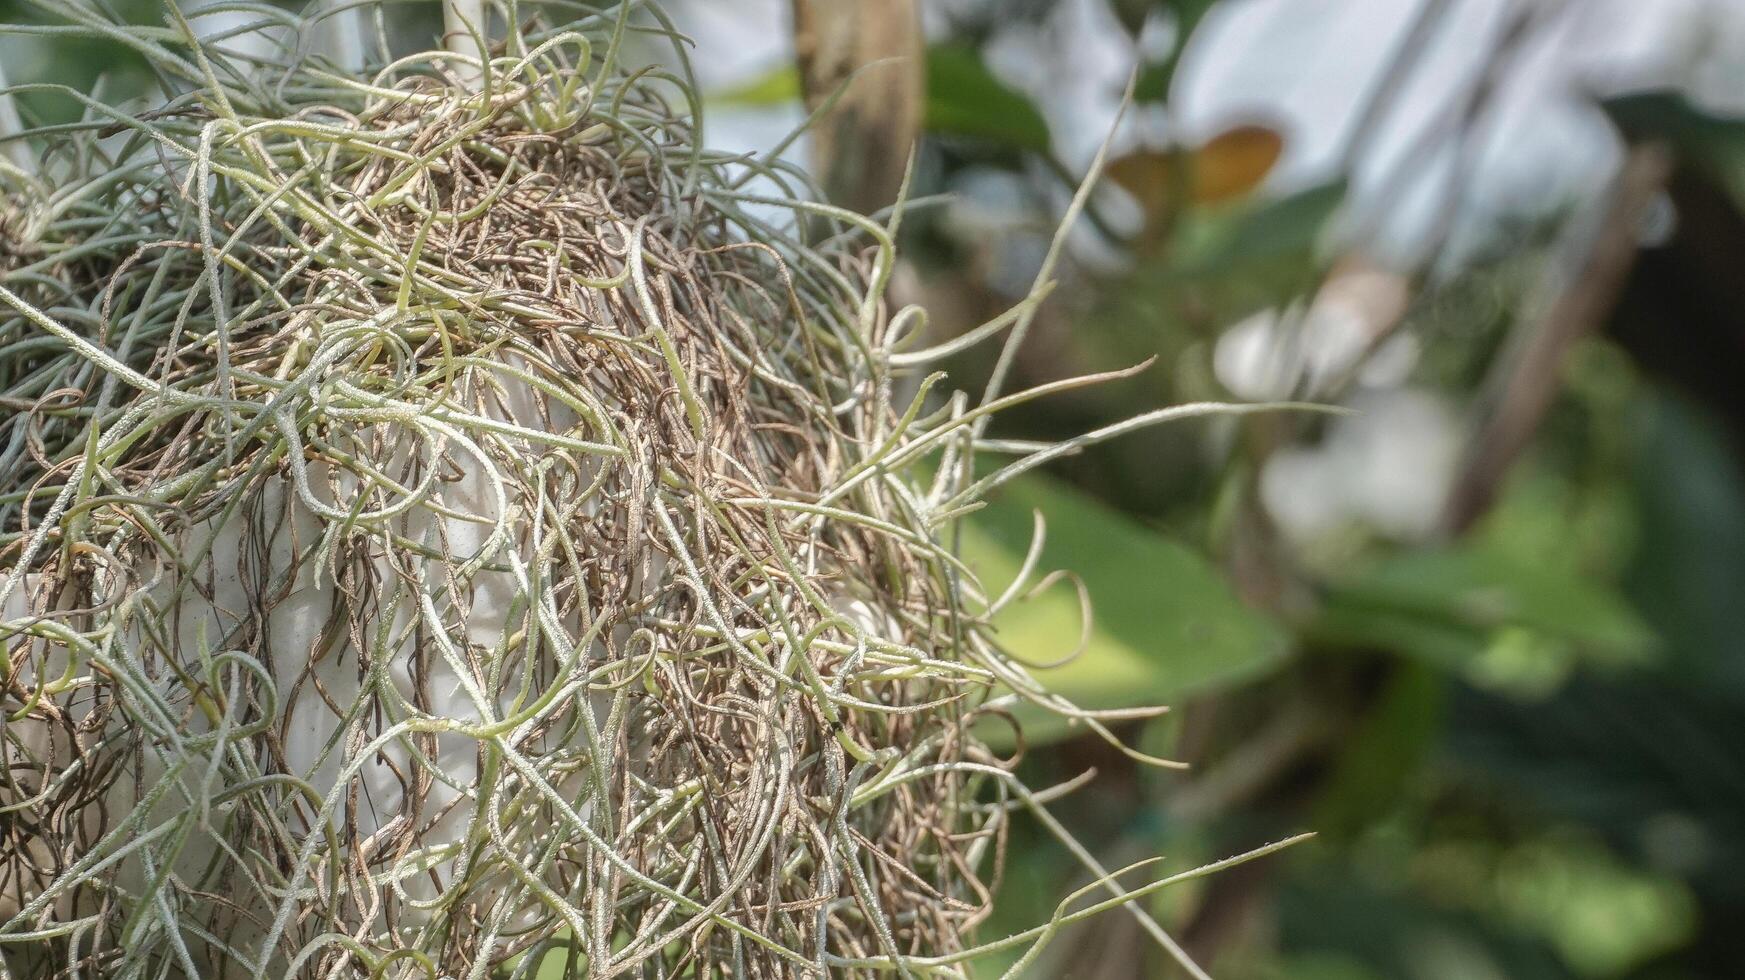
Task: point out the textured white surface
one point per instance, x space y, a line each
16 153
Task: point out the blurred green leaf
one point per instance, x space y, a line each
1166 625
1711 140
964 98
1447 607
1153 84
1391 743
1288 227
1686 574
778 86
1603 916
1653 764
1347 906
1345 623
1320 965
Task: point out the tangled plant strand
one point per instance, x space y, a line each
449 528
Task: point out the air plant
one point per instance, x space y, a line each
451 525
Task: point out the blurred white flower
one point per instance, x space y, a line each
1388 467
1297 353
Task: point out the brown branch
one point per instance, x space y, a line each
861 147
1581 294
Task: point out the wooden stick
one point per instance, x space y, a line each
861 148
1576 298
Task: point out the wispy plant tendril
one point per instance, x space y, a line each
450 527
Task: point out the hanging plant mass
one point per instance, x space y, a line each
453 525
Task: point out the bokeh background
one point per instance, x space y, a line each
1484 633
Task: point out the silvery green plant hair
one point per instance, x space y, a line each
453 525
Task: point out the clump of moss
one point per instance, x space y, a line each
450 526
